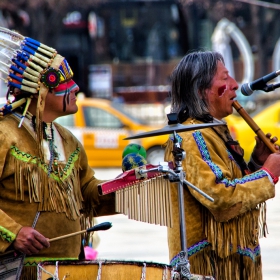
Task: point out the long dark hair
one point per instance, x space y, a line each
193 75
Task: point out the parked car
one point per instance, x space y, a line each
101 125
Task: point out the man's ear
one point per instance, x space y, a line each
203 95
208 91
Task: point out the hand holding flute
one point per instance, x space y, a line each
266 153
269 160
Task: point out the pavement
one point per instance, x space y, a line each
131 240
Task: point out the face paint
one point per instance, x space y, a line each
65 97
221 90
65 87
64 90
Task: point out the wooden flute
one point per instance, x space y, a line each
242 112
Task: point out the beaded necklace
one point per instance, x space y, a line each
48 135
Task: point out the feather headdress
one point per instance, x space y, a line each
30 66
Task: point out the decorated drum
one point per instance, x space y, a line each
103 270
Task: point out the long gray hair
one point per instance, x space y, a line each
193 75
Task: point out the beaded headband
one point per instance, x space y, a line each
30 66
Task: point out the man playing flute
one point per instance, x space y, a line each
222 236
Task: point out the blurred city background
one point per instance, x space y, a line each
126 49
122 54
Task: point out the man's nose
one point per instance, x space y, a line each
233 85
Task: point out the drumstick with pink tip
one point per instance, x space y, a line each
102 226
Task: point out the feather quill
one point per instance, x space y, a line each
14 36
5 58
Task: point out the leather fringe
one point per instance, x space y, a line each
60 192
263 230
86 223
206 262
242 231
29 273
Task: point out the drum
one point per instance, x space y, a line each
103 270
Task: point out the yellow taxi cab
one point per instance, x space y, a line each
232 123
267 119
101 125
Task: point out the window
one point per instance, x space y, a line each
138 31
66 120
95 117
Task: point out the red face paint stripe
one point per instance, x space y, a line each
221 90
60 90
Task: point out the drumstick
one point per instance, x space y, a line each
102 226
254 126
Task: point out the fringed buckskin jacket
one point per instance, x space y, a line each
222 236
62 198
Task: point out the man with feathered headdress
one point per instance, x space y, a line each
47 188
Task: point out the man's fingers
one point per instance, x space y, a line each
43 241
30 241
273 139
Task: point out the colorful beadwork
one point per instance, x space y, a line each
191 250
197 247
51 78
216 169
58 176
7 235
